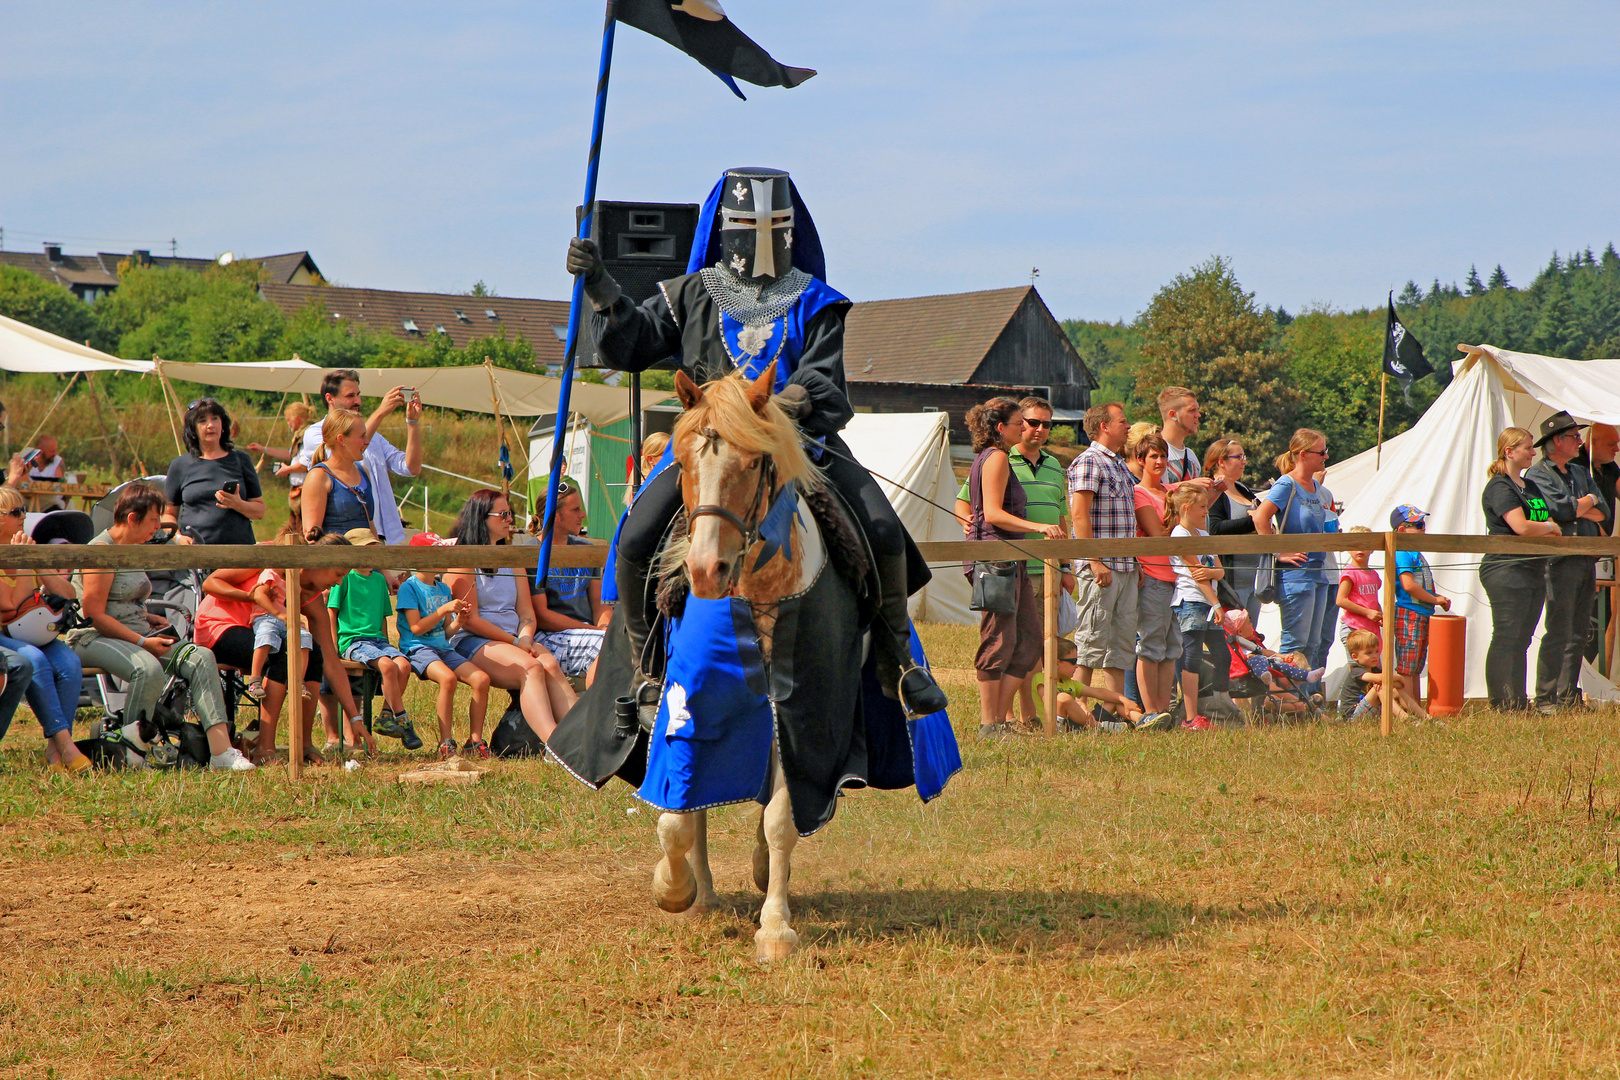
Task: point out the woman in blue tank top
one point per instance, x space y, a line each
337 494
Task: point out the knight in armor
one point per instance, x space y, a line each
755 293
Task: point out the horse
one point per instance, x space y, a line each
767 692
737 451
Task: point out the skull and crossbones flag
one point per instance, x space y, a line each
1403 353
701 30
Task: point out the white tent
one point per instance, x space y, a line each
910 456
25 348
467 388
1440 465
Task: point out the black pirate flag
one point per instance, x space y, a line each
1403 353
701 30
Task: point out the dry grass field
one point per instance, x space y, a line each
1310 901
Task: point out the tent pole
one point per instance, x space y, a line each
500 436
1378 458
41 425
101 422
635 432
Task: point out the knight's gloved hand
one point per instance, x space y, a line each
793 400
585 259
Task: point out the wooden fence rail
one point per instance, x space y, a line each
293 560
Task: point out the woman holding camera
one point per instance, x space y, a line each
212 489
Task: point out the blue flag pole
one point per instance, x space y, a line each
558 430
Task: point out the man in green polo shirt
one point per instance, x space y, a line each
1047 489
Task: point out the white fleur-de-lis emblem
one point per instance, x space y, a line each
740 193
738 265
788 236
753 339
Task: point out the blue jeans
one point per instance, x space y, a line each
1305 601
53 693
19 674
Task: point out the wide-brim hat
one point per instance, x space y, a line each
1555 425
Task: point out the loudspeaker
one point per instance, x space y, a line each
641 244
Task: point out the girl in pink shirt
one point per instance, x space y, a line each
1358 594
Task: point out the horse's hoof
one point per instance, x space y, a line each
762 867
664 890
705 903
773 945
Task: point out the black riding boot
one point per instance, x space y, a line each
639 543
897 672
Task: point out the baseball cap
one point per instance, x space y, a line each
1407 514
361 537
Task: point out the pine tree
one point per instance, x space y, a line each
1411 296
1475 286
1499 279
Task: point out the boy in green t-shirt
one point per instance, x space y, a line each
360 606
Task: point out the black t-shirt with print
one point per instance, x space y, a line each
1502 496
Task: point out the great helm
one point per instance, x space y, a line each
756 223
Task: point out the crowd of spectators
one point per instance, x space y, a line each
479 627
1168 640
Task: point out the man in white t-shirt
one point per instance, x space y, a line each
1179 413
47 468
341 390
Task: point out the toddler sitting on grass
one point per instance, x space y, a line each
1361 694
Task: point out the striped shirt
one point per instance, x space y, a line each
1113 507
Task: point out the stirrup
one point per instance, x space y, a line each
648 693
924 700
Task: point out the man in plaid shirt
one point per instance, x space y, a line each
1102 504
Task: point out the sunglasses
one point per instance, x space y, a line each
504 515
1038 423
15 513
1235 457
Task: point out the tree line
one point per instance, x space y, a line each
1262 372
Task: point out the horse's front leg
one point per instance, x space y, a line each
707 900
775 939
674 884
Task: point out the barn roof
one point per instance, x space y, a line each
927 339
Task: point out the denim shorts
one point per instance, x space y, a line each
368 651
469 644
270 633
1192 616
422 657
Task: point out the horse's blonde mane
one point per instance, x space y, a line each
725 409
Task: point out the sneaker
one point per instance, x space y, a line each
255 689
1159 721
1198 723
994 731
388 724
231 761
408 736
447 749
1113 727
476 748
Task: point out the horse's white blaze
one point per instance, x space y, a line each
709 542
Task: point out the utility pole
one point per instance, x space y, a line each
174 249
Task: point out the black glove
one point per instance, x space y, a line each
795 401
585 259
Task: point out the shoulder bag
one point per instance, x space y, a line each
995 584
1265 570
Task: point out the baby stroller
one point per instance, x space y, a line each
1274 687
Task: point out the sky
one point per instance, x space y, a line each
1331 152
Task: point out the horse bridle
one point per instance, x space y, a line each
749 529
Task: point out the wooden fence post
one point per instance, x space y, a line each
1391 579
1053 577
295 676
